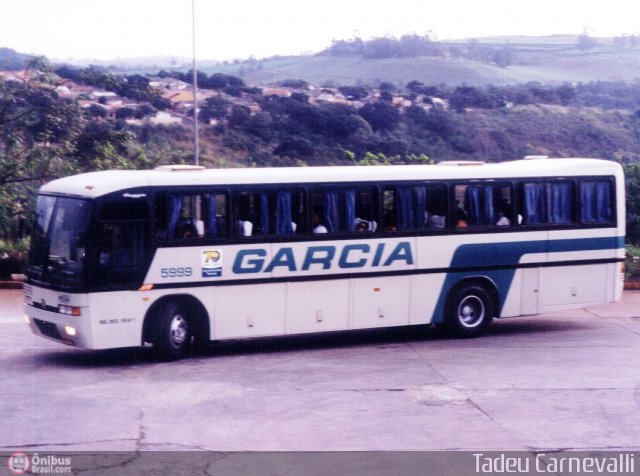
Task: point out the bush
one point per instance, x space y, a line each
13 257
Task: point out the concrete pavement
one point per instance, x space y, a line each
565 381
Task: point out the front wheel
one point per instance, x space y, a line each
172 331
469 311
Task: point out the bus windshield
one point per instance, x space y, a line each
59 241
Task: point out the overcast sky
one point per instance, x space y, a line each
109 29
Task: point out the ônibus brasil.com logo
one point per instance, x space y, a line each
21 463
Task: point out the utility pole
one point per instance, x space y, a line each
196 142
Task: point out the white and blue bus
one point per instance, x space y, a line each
179 256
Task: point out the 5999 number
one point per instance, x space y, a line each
176 272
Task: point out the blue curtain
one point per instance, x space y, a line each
489 215
212 218
473 205
175 207
404 208
559 202
596 202
331 210
535 210
419 207
350 209
264 213
283 214
605 208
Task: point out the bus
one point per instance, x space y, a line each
179 256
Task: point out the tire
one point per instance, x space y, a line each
469 311
172 331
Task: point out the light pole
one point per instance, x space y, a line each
196 145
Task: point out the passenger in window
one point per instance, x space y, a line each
435 215
245 228
114 250
502 212
365 225
390 222
503 220
244 224
317 225
434 221
199 227
460 216
187 231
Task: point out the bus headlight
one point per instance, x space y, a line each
71 331
69 310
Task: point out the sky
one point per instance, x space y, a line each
111 29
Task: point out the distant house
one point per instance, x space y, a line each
108 98
439 102
165 118
14 76
168 84
399 101
280 92
177 97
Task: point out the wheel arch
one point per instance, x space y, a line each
484 282
198 316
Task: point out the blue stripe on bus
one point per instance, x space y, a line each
491 255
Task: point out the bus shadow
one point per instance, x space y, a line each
330 340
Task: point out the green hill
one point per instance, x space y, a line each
604 64
497 61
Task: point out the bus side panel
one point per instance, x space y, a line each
317 306
570 287
249 310
566 283
380 302
117 325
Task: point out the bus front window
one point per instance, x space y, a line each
59 241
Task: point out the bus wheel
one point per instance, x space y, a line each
469 311
172 332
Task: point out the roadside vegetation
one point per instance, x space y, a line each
44 136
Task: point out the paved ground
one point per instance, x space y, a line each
569 380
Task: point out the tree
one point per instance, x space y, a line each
354 93
37 132
632 185
215 107
381 115
585 42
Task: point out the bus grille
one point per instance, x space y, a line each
48 329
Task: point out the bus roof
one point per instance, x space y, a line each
96 184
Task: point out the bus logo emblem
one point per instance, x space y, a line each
211 261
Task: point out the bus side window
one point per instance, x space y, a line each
191 216
405 208
548 203
269 212
595 201
123 229
483 204
179 216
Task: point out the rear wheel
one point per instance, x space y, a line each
469 311
172 331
